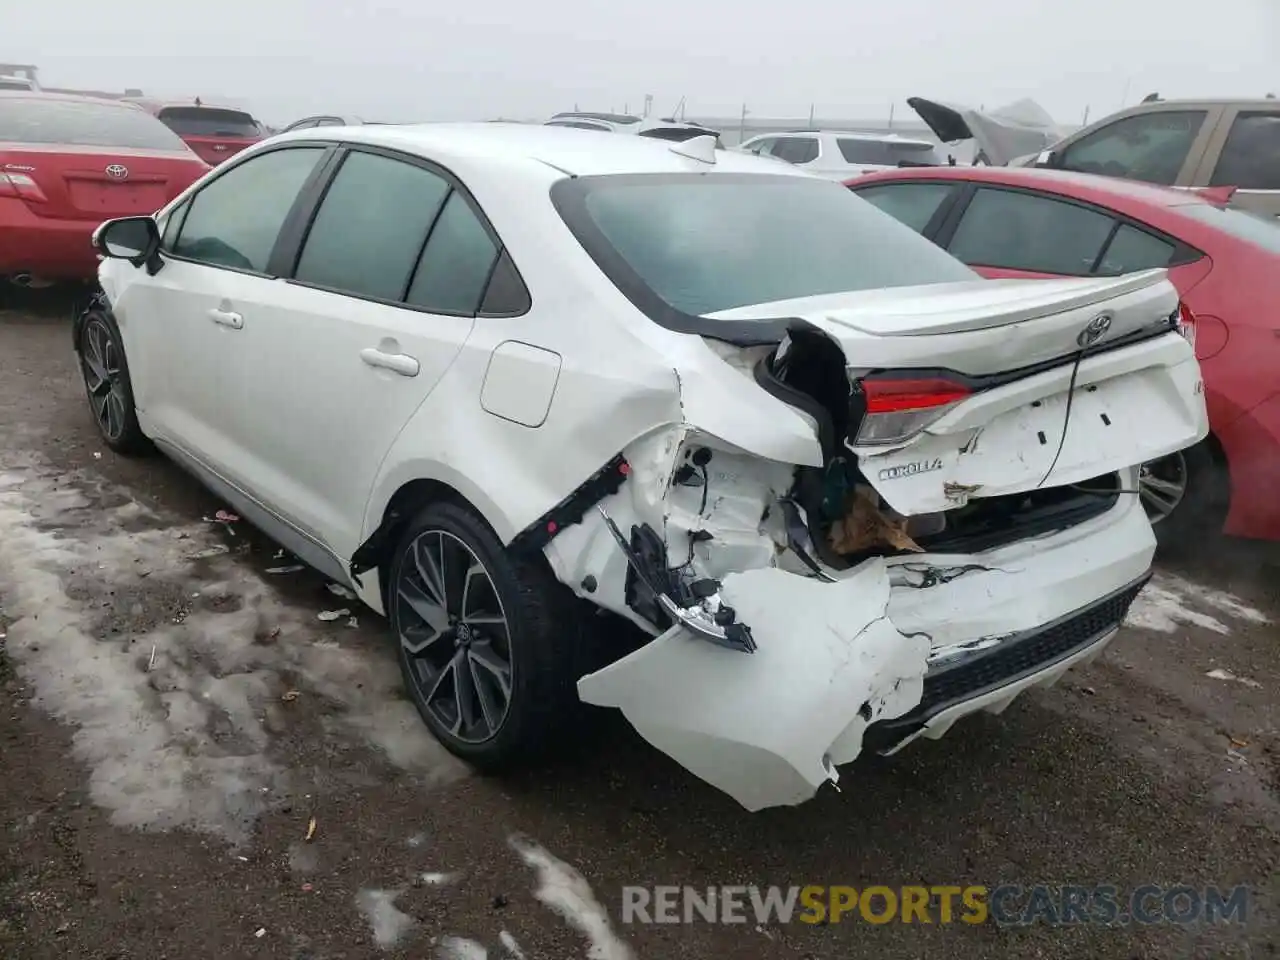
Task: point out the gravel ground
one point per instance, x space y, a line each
179 721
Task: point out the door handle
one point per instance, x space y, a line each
400 363
227 318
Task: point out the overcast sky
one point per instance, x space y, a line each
404 60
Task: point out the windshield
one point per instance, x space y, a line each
209 122
106 124
706 243
1259 230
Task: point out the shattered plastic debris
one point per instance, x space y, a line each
338 590
311 829
225 516
352 622
291 568
1228 675
217 550
865 526
328 616
261 932
289 696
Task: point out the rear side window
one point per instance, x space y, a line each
235 220
886 152
371 227
1132 249
796 149
1148 146
1251 157
1024 231
209 122
40 120
912 203
456 262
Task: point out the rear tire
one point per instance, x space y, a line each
489 645
106 381
1195 514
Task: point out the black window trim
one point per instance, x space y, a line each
569 197
299 204
939 216
293 235
1183 252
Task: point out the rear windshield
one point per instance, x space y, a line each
887 153
209 122
1255 228
106 124
706 243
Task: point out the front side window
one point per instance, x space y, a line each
83 124
764 146
796 149
370 227
1024 231
707 243
1150 146
235 220
1251 156
912 203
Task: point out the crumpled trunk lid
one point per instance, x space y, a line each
999 136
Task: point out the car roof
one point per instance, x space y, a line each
45 96
538 146
1082 185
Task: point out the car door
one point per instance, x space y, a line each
1245 153
185 327
1003 232
383 294
1157 145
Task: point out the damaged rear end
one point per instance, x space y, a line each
902 506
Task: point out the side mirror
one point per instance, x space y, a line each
1048 158
135 239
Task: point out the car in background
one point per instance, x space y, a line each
10 82
1010 222
327 120
667 128
214 133
572 373
67 163
837 155
1182 143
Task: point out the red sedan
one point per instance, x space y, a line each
216 134
1018 222
69 163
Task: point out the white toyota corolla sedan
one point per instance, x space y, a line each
498 378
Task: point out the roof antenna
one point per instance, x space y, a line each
701 148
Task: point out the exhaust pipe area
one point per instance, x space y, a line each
28 281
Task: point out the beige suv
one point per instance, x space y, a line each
1183 143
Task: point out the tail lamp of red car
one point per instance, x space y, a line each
899 407
19 186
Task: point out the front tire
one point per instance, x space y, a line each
488 644
107 385
1186 496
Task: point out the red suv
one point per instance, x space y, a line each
214 133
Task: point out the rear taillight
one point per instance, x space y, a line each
1186 324
20 186
898 408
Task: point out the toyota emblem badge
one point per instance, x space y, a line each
1094 331
118 171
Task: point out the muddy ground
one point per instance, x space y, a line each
177 717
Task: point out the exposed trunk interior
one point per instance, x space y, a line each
809 372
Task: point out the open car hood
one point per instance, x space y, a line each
999 136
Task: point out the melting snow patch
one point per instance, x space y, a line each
437 879
460 948
1228 675
1169 602
387 922
509 944
170 673
563 889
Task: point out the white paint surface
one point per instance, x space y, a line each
1169 603
188 743
564 890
